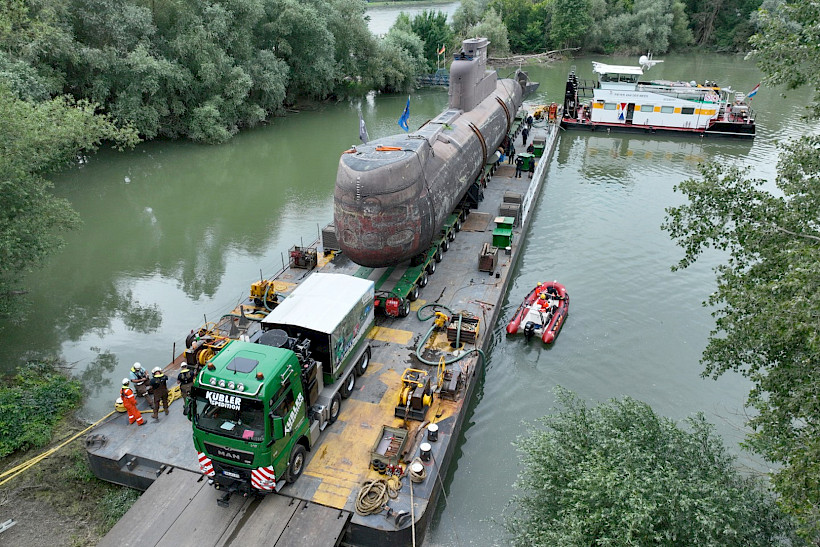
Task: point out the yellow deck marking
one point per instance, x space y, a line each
417 304
396 336
283 286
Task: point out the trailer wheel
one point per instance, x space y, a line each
431 267
437 258
347 388
445 245
458 225
297 463
405 309
451 236
414 294
424 279
335 408
361 366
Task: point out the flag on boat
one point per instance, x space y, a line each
443 48
753 92
363 129
405 117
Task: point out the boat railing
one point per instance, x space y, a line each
586 88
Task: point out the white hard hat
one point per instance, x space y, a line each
125 381
137 366
156 369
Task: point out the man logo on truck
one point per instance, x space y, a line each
292 418
231 402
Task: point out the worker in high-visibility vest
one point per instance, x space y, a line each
130 403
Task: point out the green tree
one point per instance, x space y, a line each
617 474
434 31
36 139
570 22
768 295
467 15
492 27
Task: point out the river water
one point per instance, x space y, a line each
174 233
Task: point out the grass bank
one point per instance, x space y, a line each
58 501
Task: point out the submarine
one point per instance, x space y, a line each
393 195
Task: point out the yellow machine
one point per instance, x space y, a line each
416 395
263 294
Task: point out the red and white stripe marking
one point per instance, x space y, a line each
262 478
205 464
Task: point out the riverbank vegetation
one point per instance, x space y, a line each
59 493
767 302
618 474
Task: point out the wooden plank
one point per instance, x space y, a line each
314 524
202 522
156 510
261 523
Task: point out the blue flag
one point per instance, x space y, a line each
405 117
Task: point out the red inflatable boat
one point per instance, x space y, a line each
543 312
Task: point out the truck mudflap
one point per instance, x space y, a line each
263 479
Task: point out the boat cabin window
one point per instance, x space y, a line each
610 106
647 108
667 109
615 77
687 110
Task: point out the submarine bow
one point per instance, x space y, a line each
393 194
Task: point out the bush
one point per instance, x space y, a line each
618 474
31 404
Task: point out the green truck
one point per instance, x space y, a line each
259 406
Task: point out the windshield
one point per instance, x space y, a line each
229 415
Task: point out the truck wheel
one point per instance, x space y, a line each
405 309
424 279
414 294
297 463
437 257
431 267
347 387
335 408
361 366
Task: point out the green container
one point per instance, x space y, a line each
528 161
538 146
502 237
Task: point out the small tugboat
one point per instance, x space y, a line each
543 312
619 101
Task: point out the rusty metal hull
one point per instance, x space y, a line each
393 195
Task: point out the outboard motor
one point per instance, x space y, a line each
529 330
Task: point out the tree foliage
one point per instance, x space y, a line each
434 32
618 475
768 296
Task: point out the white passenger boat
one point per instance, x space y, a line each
620 101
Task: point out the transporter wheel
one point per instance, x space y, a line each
445 245
364 362
458 225
437 258
297 463
404 311
424 278
452 235
414 294
335 408
347 387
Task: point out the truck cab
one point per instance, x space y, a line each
249 416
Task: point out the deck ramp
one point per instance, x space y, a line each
179 509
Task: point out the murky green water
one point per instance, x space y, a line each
174 233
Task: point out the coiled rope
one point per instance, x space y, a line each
373 496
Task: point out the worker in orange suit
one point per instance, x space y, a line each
130 402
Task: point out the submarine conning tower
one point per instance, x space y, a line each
393 194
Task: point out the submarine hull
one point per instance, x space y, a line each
393 195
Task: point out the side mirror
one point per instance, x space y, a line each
190 409
278 427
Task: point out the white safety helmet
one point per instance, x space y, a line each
155 370
125 381
137 366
